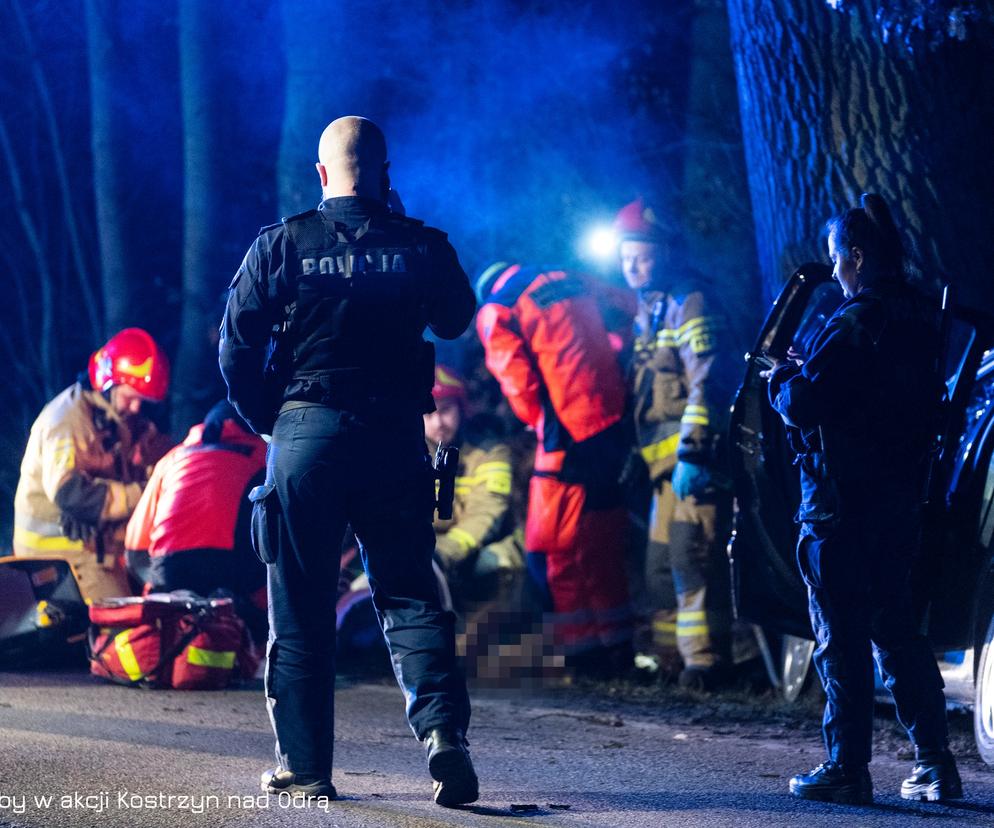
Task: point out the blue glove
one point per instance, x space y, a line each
690 479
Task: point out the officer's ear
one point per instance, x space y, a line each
385 181
322 173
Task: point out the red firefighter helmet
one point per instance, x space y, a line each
131 357
448 385
637 221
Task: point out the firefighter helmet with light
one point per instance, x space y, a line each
131 357
637 221
448 386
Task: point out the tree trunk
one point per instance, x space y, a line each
317 80
111 176
717 219
830 111
206 260
69 207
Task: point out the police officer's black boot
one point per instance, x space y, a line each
832 782
934 778
455 781
278 781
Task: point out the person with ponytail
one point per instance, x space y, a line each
860 412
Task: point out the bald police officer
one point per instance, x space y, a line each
350 287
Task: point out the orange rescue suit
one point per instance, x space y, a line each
547 345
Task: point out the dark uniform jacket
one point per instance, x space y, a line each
355 286
681 379
861 409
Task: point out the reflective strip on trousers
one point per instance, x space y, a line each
691 622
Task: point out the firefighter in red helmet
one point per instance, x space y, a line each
682 382
87 459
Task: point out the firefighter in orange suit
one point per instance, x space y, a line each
547 345
682 385
88 456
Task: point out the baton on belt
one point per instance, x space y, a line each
446 465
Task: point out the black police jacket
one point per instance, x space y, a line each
345 292
862 408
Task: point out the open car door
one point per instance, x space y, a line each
768 587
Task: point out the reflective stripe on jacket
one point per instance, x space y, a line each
681 382
80 460
547 345
481 514
196 491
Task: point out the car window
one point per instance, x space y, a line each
961 337
824 301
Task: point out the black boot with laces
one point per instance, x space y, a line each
934 778
832 782
455 781
277 781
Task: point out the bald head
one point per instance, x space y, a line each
352 159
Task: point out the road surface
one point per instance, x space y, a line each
78 752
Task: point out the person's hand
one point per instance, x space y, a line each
77 530
772 362
775 362
690 479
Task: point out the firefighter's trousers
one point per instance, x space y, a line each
328 469
575 541
686 554
857 570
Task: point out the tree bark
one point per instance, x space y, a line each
830 111
58 159
206 260
717 219
111 178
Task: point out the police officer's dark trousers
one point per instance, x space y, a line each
329 468
857 569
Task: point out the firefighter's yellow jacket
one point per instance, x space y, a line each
82 465
481 514
681 379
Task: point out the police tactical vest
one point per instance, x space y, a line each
360 309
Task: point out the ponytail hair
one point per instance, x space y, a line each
871 228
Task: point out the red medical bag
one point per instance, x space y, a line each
170 640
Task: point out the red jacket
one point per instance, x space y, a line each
547 345
193 498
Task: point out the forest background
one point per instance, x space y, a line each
144 143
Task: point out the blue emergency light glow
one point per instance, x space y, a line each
601 243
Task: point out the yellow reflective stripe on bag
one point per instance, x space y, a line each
126 655
221 659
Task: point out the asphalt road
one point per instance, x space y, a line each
76 752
